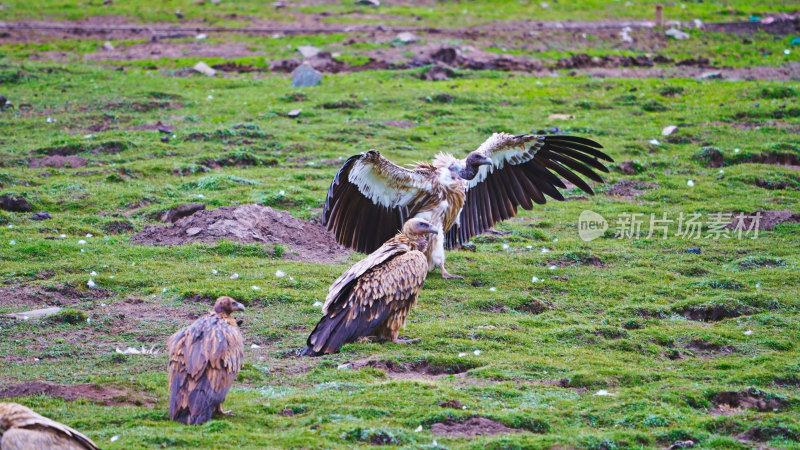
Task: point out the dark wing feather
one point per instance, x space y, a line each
525 169
370 198
205 359
367 303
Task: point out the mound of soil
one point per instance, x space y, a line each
249 224
57 161
108 396
768 220
727 402
179 212
474 426
11 203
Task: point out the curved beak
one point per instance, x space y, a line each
237 306
433 229
485 161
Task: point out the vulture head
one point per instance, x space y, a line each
418 227
227 305
473 163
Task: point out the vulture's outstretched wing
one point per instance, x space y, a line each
28 429
524 169
370 198
204 361
375 302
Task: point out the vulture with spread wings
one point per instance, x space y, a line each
22 429
373 298
204 360
370 197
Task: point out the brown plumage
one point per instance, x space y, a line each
23 429
204 360
370 197
373 298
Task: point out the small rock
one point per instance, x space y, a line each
561 117
677 34
748 332
308 51
535 280
306 76
50 120
492 289
114 438
14 204
669 130
193 231
280 273
255 346
553 267
108 46
255 288
710 75
165 139
476 352
697 23
41 216
201 36
204 68
234 276
317 304
345 366
294 113
407 38
654 142
373 3
82 242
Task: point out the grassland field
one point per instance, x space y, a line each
620 342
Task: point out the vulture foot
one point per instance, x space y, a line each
449 276
223 412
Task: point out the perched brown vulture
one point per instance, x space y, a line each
372 299
204 360
23 429
370 197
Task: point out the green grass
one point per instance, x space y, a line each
421 13
615 323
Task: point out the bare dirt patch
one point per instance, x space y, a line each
61 295
410 370
768 221
118 227
767 433
107 395
57 161
731 402
249 224
715 313
629 188
474 426
707 350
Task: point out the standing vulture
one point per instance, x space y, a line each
204 359
371 197
373 298
23 429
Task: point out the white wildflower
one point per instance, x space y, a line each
91 283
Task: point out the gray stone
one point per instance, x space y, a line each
193 231
294 113
306 76
34 314
308 51
407 38
677 34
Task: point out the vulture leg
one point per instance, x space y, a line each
435 253
223 412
